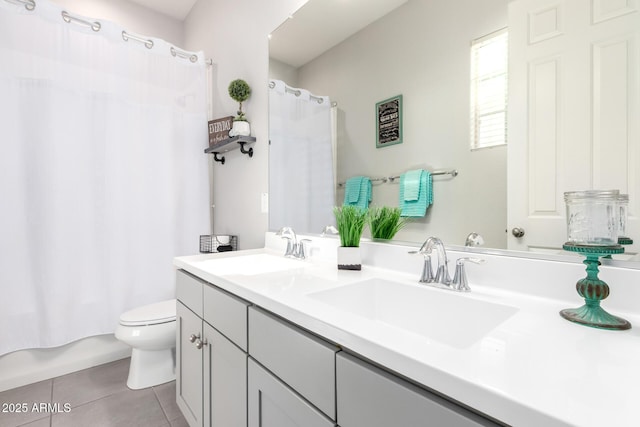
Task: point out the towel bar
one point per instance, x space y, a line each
383 180
452 172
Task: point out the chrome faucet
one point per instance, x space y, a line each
295 248
442 272
329 229
442 278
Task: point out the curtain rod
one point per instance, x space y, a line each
147 42
297 92
95 26
30 5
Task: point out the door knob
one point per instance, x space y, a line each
518 232
194 337
200 343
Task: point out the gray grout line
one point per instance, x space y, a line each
166 417
51 400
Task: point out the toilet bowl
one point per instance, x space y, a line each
151 332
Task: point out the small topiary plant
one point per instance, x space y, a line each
239 91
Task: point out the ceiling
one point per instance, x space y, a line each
320 25
178 9
315 28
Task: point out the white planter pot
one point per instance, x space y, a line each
240 129
349 258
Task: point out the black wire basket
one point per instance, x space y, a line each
211 243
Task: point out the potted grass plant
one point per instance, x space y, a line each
239 91
384 222
350 221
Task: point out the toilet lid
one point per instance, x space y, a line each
160 312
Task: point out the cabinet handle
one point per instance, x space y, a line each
194 337
200 343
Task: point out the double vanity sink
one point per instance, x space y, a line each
501 350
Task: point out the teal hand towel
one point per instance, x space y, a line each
412 184
417 208
358 192
352 190
365 193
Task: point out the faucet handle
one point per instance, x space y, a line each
460 277
427 271
302 248
291 246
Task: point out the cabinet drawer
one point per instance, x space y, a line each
303 361
227 313
371 397
189 291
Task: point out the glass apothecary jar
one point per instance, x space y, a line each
593 217
623 205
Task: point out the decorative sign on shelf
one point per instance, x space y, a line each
389 122
219 130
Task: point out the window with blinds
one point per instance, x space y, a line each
489 90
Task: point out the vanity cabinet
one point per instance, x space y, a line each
211 358
371 397
240 365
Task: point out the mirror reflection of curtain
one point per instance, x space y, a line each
301 170
102 176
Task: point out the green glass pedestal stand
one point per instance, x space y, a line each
593 290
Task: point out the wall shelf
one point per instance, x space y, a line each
231 144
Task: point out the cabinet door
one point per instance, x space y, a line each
225 384
273 404
371 397
188 365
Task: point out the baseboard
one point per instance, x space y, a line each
30 366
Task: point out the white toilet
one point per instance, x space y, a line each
151 331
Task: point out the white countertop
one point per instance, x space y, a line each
534 369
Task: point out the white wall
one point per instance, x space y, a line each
235 35
280 71
131 16
420 50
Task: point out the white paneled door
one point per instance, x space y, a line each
573 111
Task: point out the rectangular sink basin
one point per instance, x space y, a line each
441 315
249 265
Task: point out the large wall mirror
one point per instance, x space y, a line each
421 50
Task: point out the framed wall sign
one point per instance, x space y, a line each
389 122
219 129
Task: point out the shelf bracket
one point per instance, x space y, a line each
218 159
243 151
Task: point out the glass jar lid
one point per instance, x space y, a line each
591 195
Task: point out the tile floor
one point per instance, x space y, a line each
95 397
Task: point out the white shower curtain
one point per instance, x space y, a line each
103 179
301 170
